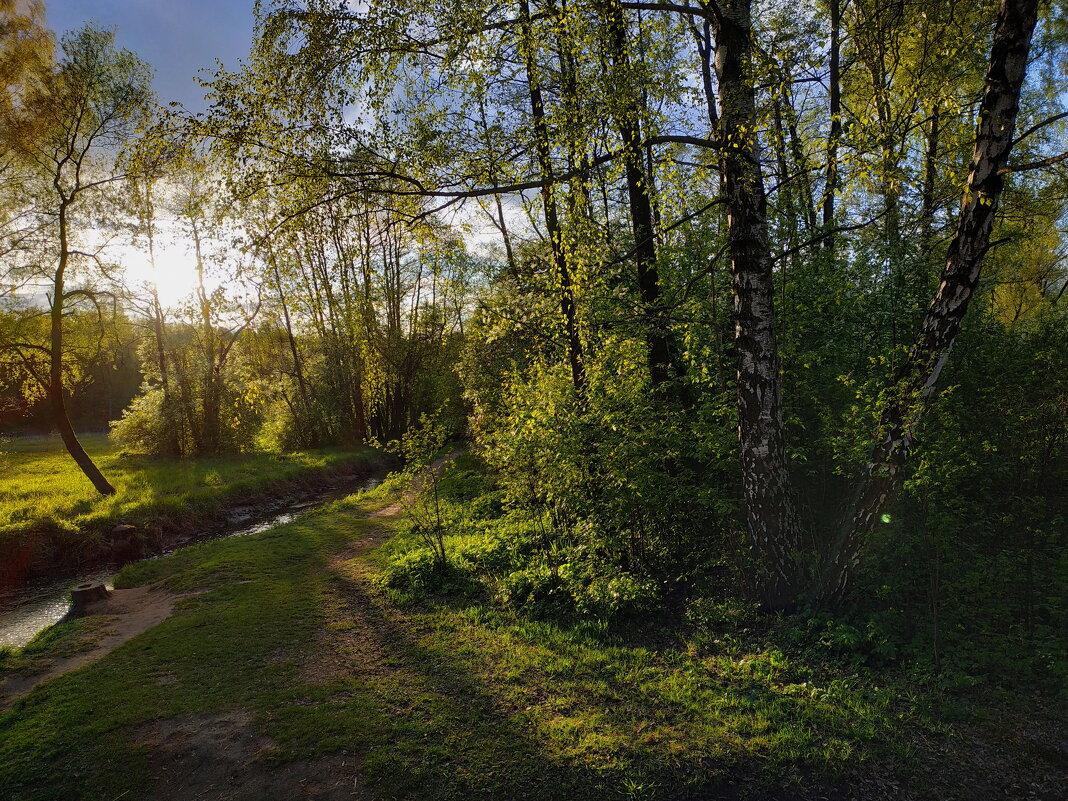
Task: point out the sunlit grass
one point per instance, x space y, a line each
455 701
41 488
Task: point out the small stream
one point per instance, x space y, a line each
28 610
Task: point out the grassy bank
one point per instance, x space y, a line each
297 668
48 509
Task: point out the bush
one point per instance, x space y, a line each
146 426
419 573
489 506
718 624
280 431
575 590
538 592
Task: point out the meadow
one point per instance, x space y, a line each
41 486
50 514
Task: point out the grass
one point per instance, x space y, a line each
455 697
73 637
42 489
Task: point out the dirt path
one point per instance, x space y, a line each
133 611
398 506
224 757
130 612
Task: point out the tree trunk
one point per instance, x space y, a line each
500 222
930 173
552 218
210 425
628 121
835 102
770 515
313 436
787 212
55 374
172 446
918 376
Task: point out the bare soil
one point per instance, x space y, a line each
129 612
223 758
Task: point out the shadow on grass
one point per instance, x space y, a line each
463 711
426 728
447 700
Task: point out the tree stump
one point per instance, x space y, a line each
85 594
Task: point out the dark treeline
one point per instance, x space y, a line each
770 304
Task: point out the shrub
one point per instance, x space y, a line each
146 425
538 592
419 573
574 590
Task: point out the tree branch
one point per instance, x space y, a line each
1033 165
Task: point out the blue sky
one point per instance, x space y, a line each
178 37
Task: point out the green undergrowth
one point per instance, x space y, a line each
812 693
518 560
447 691
508 555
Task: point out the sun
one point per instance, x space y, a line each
172 272
175 275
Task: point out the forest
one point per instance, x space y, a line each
718 350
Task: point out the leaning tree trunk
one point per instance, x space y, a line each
56 391
770 514
918 376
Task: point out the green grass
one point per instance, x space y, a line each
454 697
42 489
68 639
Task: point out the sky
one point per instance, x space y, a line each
177 37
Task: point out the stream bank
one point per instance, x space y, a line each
34 584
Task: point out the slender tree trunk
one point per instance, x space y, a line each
298 369
552 218
210 425
835 135
343 266
890 189
705 50
172 444
642 217
807 210
770 514
788 214
56 390
500 222
918 376
930 173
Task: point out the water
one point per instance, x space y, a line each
28 610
